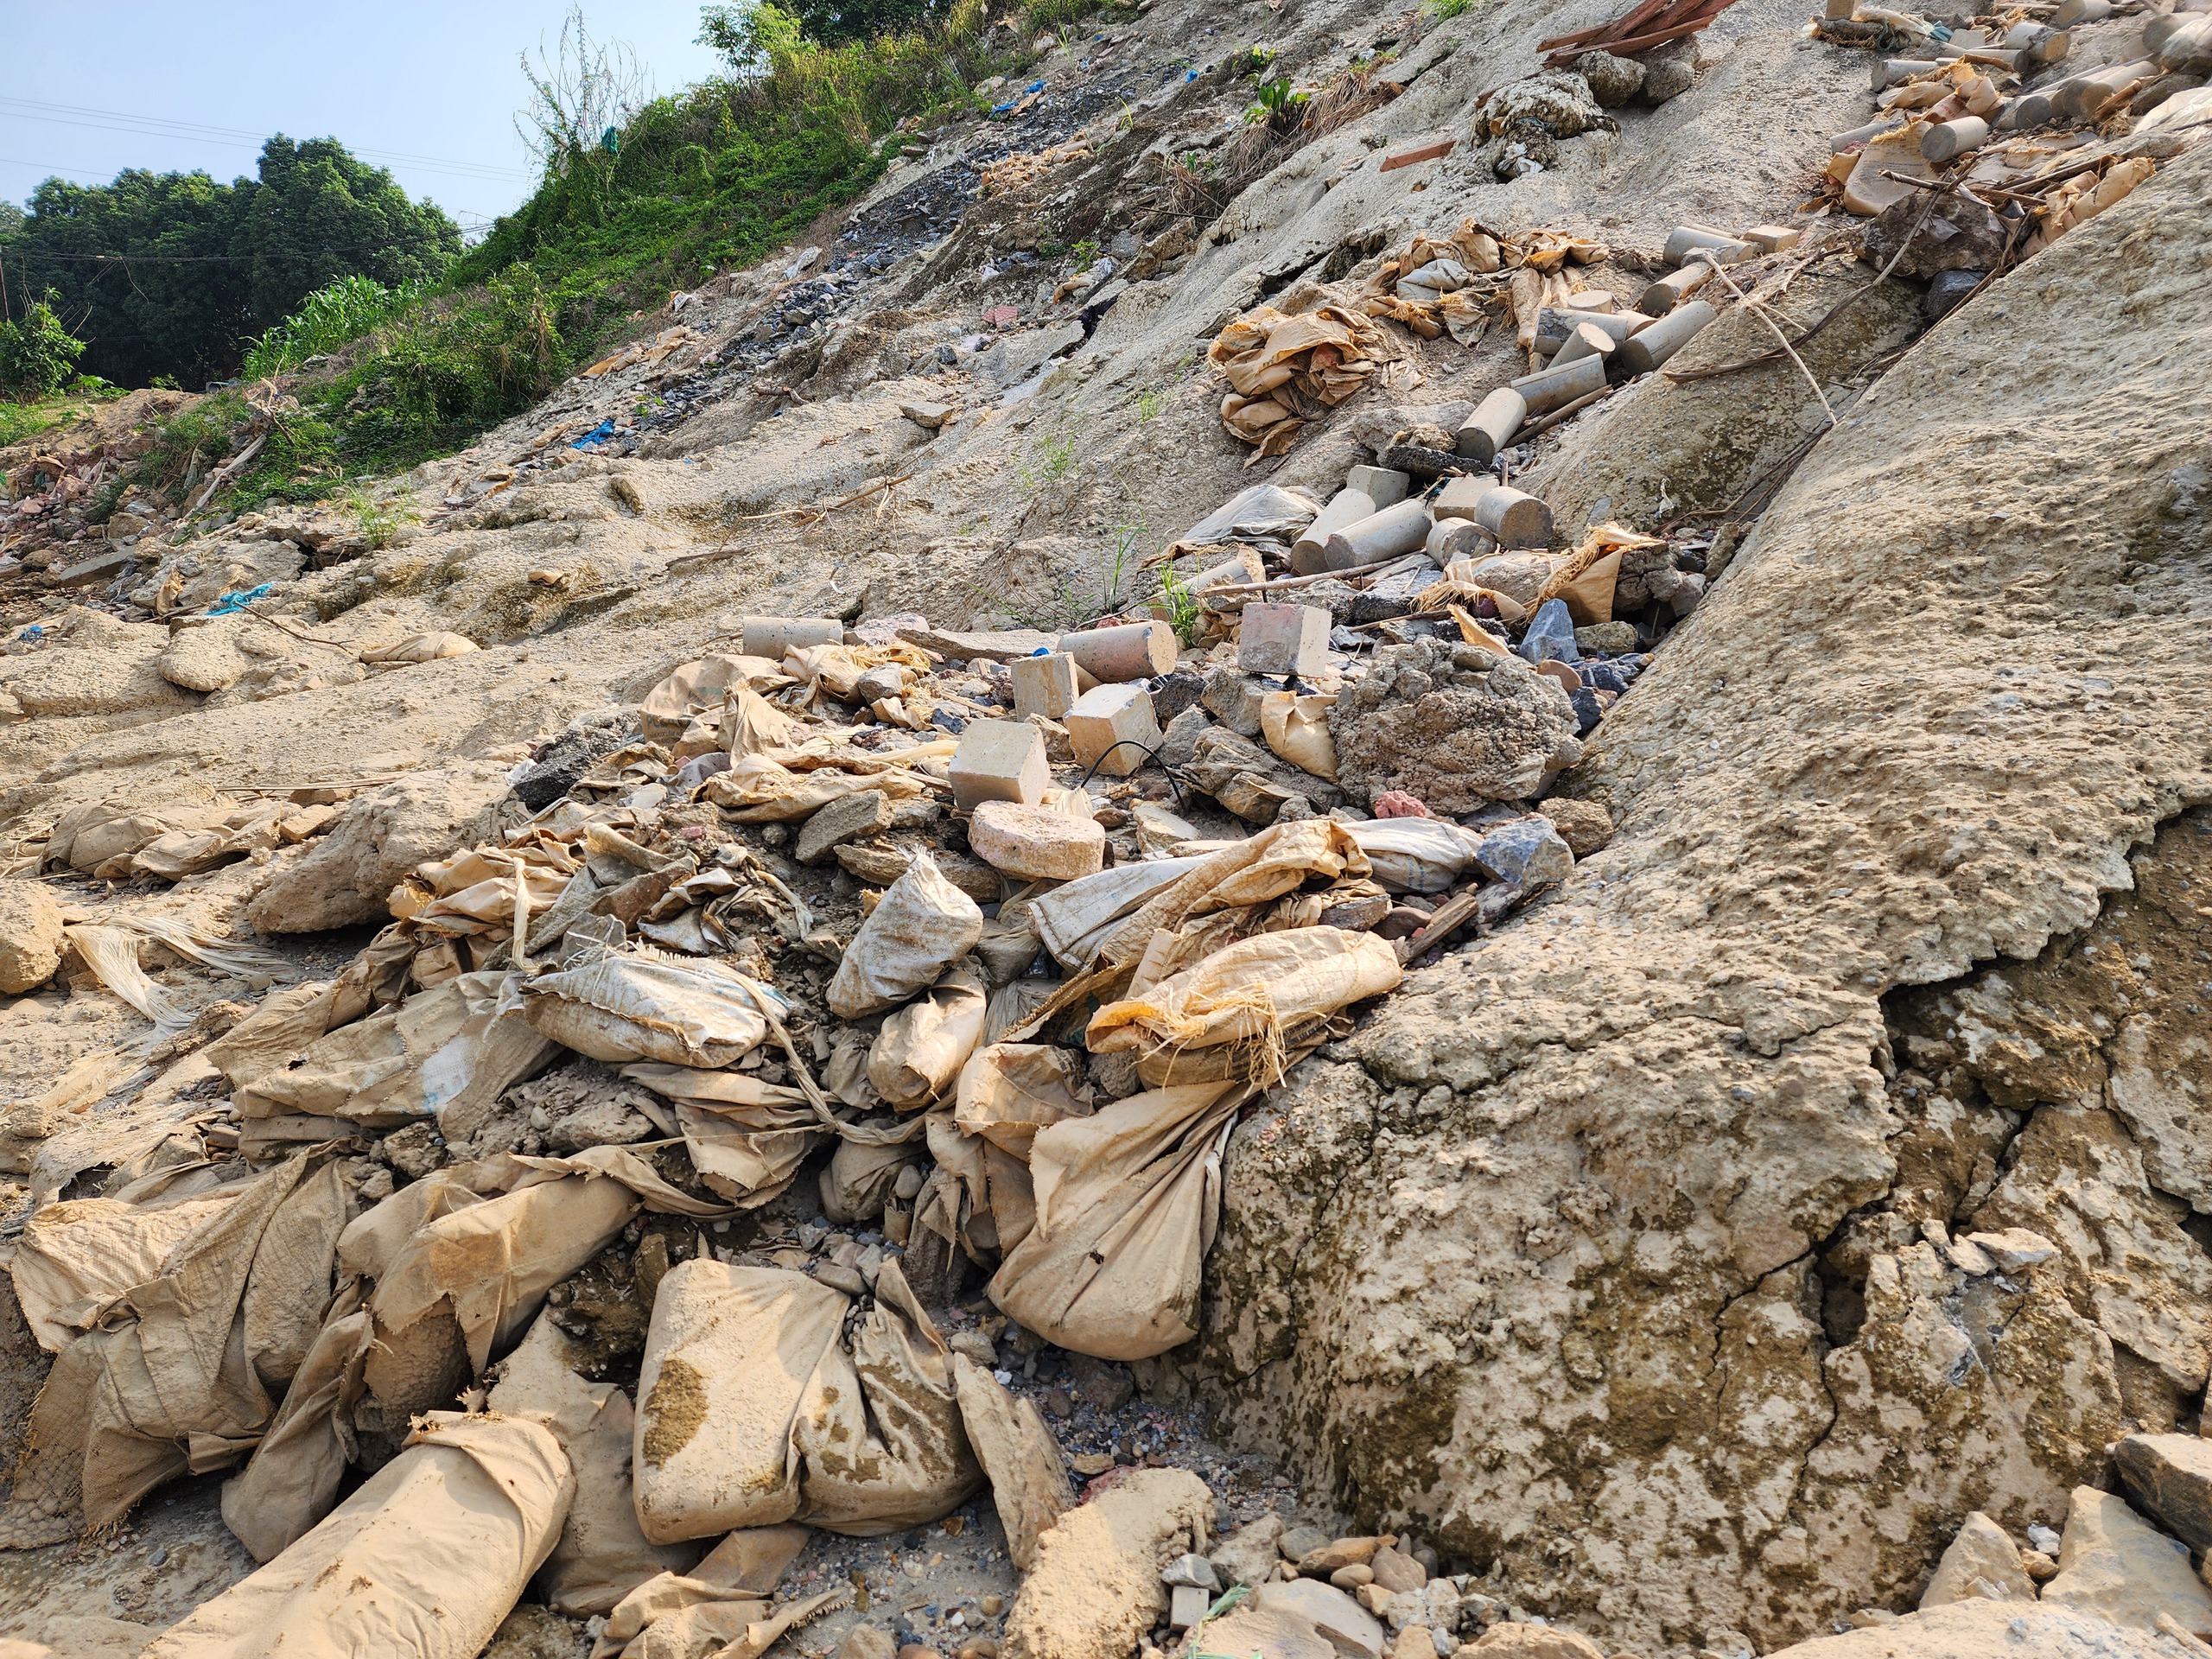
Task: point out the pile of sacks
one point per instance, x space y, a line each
845 920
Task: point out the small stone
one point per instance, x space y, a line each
1191 1569
1518 1641
1375 1598
1173 693
1550 636
2045 1539
1090 1463
30 937
1584 825
1613 81
2039 1567
977 1346
916 1650
1396 1571
1037 843
1283 640
845 1279
1296 1542
931 417
1527 851
1349 1627
991 1607
1234 698
1350 1578
2013 1250
978 1647
1340 1551
882 683
1611 639
866 1642
1101 1383
1248 1556
850 817
1981 1561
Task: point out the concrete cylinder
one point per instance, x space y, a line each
1515 518
1135 651
2156 31
1648 348
2084 94
1660 297
1308 555
2188 46
1457 538
771 636
2039 41
1547 389
2071 12
2028 110
1875 129
1685 239
1400 528
1587 340
1888 71
1839 11
1953 139
1493 425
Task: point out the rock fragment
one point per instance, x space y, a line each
30 937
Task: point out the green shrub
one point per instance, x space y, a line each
37 355
335 316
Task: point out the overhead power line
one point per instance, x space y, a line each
234 138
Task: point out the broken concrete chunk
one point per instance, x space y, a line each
1526 850
2170 1476
1453 737
1037 843
1249 1554
1113 729
1234 698
345 879
1192 1569
931 417
30 937
998 760
1349 1628
850 818
1584 825
1283 640
2115 1564
1981 1561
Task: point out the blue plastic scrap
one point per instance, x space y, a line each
598 434
230 604
32 635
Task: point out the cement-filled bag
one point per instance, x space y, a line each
921 1047
1249 992
641 1005
921 925
752 1410
1128 1200
425 1559
1416 855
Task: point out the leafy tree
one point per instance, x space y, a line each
735 31
37 355
174 274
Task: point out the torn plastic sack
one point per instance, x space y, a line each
1021 1458
449 1051
77 1255
921 925
1297 728
857 1182
752 725
746 1138
181 1373
1416 855
421 648
921 1047
641 1004
753 1410
763 789
293 1475
1076 918
601 1556
1128 1200
978 1197
426 1558
274 1035
700 687
1249 992
702 1616
1010 1090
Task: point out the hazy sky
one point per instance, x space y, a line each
93 88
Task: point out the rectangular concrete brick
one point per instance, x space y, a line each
998 760
1283 640
1381 485
1113 715
1044 685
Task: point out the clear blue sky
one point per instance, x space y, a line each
93 88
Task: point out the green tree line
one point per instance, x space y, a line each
172 276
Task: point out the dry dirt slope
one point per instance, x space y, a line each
1535 1262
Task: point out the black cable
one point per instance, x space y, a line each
1166 770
